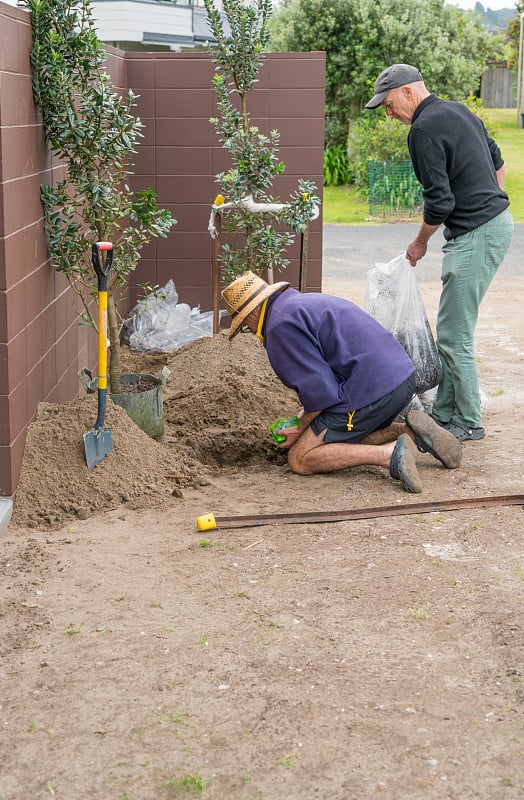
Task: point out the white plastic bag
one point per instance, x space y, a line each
160 322
393 299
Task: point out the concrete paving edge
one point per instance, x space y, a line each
6 509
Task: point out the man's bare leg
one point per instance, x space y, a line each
310 455
389 434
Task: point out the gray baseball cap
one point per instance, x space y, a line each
391 78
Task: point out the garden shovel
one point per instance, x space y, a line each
98 442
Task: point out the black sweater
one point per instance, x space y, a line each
455 161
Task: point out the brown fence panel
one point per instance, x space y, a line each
498 88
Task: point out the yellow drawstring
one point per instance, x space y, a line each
351 414
261 320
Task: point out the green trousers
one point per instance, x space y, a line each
468 267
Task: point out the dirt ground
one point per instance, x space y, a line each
143 659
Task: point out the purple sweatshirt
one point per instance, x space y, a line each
334 355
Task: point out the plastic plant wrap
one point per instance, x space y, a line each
160 322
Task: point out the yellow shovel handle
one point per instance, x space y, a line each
102 340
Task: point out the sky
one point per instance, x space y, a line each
495 5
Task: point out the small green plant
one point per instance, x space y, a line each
188 784
72 631
288 761
256 243
205 543
32 727
519 572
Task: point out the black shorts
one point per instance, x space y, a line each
364 420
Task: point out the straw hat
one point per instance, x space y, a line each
245 294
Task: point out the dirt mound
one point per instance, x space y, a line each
219 400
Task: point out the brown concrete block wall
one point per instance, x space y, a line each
180 154
31 295
41 344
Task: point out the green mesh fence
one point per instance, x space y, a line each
393 189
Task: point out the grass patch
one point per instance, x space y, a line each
342 205
188 785
421 614
72 631
205 543
288 761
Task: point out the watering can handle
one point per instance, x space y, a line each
102 270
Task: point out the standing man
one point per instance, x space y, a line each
462 172
351 375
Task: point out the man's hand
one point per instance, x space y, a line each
293 434
415 251
418 247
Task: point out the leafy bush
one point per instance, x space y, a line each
375 137
476 106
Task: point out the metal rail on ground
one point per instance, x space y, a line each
209 521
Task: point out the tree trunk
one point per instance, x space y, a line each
114 339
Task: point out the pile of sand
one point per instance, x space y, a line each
218 402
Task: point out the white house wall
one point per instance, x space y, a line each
149 21
129 20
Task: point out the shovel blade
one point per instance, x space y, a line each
97 444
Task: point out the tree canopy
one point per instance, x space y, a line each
363 37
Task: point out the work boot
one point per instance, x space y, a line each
403 467
431 438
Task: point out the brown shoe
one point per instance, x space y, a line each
430 437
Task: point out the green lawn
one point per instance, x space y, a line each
341 203
510 139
